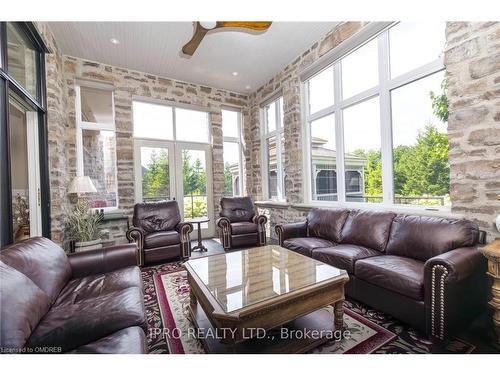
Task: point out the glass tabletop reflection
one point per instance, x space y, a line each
242 278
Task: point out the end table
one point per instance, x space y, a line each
492 253
200 245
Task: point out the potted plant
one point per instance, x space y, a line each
83 226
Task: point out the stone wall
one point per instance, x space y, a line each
128 83
57 124
472 59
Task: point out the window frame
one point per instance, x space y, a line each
85 125
265 136
386 84
238 140
39 105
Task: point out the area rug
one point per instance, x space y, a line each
170 330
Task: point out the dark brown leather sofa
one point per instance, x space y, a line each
88 302
159 233
426 271
239 224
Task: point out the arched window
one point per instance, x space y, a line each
326 182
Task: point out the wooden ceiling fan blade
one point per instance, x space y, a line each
191 46
251 25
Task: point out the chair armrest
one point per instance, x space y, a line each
224 223
260 220
99 261
458 264
286 231
184 228
135 234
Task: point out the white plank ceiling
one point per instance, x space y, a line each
155 47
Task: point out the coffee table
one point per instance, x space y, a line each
243 301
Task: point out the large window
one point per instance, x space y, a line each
24 174
231 131
274 150
384 106
96 142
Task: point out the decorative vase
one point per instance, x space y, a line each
88 245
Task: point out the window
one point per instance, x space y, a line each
96 143
152 121
231 131
191 125
274 150
387 87
21 58
24 170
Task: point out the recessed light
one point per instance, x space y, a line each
114 41
248 87
235 74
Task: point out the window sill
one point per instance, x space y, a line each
411 210
276 204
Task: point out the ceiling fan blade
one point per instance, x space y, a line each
252 25
191 46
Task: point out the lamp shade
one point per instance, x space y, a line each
81 185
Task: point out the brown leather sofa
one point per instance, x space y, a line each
239 224
425 271
87 302
159 233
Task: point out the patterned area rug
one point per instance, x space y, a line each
167 298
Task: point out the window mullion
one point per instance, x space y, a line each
385 119
339 132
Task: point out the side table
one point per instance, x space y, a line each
198 222
492 253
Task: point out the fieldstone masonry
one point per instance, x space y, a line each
472 68
472 59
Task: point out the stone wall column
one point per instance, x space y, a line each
217 159
472 59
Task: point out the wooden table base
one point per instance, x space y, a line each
319 321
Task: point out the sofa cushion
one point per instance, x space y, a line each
71 324
326 223
237 209
368 228
160 239
41 260
305 245
130 340
93 286
157 216
401 275
22 305
343 256
423 237
244 228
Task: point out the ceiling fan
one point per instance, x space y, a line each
202 28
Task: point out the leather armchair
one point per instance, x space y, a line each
159 233
239 224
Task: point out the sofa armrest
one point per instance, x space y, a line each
107 259
458 264
286 231
449 279
260 220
